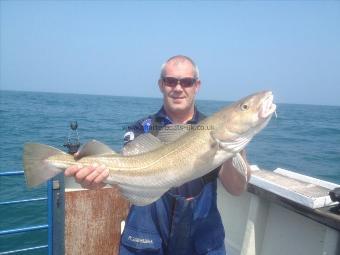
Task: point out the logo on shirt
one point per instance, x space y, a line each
140 240
147 125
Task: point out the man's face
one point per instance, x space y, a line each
179 98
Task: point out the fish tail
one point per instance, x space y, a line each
37 169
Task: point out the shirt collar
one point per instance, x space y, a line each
161 115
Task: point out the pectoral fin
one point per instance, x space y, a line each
240 165
232 145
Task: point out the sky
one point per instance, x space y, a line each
118 47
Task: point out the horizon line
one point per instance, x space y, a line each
197 98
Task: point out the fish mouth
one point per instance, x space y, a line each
267 107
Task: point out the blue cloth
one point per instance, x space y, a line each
184 221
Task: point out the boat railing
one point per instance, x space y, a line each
48 226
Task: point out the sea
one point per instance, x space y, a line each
302 138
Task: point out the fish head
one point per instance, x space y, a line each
250 113
245 118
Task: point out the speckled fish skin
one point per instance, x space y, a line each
143 178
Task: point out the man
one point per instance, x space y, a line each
185 220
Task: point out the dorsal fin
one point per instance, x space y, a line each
93 148
141 144
172 132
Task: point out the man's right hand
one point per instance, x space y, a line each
90 177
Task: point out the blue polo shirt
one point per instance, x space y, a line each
185 220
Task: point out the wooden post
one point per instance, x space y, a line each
93 221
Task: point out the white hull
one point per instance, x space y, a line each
278 219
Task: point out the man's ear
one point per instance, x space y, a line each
198 86
160 85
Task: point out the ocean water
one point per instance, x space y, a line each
303 138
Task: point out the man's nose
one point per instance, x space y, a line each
178 86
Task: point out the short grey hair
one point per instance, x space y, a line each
180 58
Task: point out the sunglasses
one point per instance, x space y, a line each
184 82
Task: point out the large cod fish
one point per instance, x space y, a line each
149 165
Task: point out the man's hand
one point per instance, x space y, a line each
90 177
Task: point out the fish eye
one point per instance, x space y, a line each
244 107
